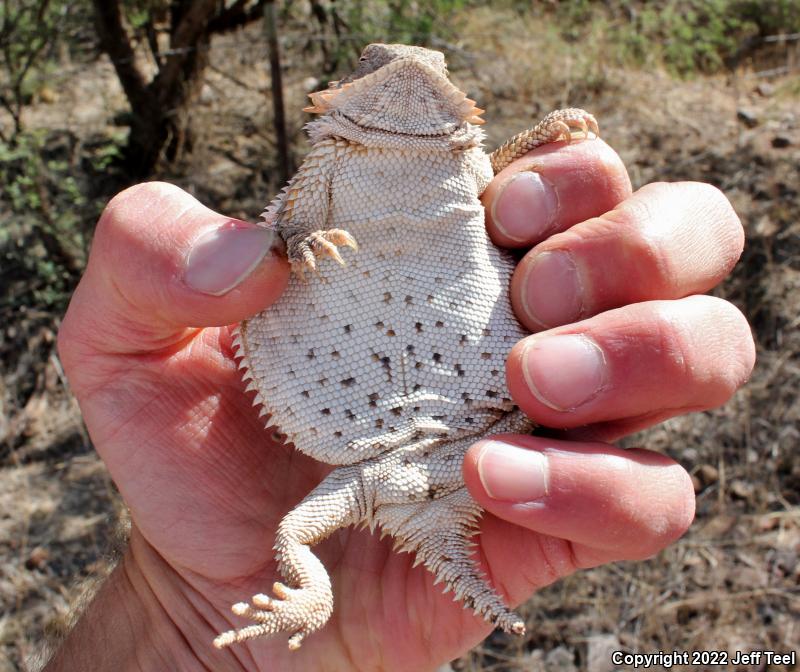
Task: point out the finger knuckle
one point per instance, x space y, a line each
641 234
707 347
735 340
124 209
65 340
722 223
657 527
74 350
609 166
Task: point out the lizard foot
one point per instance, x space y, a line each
304 249
294 610
563 124
569 124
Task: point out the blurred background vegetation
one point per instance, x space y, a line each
98 94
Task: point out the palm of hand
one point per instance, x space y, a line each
207 488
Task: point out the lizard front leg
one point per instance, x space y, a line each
557 125
306 604
302 212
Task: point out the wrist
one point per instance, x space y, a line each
142 620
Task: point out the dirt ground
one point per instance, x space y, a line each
732 583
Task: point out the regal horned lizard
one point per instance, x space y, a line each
393 365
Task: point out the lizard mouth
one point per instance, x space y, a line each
376 129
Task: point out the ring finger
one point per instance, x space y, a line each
633 366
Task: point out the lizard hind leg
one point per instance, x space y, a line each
558 125
306 604
440 533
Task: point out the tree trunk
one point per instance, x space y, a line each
278 113
160 130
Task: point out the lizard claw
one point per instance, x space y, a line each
582 127
341 237
304 250
569 124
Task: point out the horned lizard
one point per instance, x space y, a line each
392 365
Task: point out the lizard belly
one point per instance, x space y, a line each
408 340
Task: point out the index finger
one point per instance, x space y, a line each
552 188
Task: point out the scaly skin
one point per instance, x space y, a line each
393 364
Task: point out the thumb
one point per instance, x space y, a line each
162 263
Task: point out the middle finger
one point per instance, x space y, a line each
666 241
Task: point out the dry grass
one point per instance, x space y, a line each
731 583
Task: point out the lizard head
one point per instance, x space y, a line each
398 89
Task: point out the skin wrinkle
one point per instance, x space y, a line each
550 573
352 651
611 431
386 599
343 646
154 594
372 636
444 134
677 334
570 557
116 270
671 332
657 240
117 425
192 598
152 379
486 566
728 239
644 243
122 315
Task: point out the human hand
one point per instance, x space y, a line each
622 341
151 363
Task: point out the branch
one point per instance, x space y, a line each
14 111
184 40
152 42
115 42
236 16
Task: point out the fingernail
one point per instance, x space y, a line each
512 474
526 207
564 372
220 259
552 292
